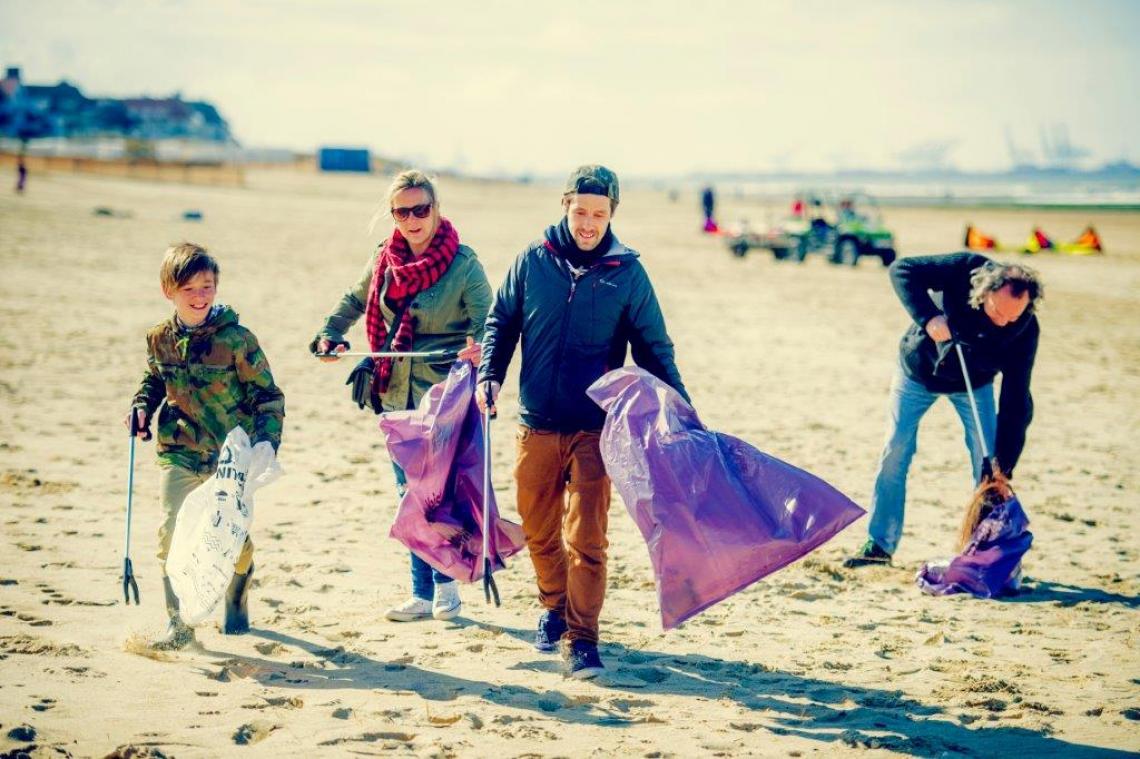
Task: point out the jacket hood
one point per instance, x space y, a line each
221 316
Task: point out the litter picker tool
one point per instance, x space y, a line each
441 355
489 587
987 462
129 583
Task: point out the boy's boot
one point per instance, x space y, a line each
178 633
237 604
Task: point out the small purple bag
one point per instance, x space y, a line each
990 564
439 445
717 514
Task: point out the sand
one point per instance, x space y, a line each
815 660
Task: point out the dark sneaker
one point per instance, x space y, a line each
551 627
583 661
869 554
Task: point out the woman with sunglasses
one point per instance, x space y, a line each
437 289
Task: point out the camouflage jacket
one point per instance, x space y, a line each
212 379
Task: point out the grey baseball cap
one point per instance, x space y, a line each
593 179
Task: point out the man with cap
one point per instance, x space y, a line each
576 297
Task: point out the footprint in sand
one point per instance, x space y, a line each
269 648
25 733
650 674
636 657
130 751
254 732
625 704
26 644
391 739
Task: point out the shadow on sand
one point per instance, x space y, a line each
1043 591
783 703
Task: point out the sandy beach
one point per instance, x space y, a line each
816 660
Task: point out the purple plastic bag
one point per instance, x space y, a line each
440 448
990 564
716 513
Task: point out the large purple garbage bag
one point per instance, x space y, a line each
440 448
716 513
991 563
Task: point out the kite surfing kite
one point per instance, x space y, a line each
1087 243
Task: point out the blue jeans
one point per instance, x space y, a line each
909 401
424 576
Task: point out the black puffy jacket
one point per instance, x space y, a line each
574 329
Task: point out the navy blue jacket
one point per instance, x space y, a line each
989 349
574 328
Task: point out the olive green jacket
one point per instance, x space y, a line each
208 380
445 314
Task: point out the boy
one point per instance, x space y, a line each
213 377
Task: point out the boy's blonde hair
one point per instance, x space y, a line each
182 261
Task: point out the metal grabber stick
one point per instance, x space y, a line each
987 462
129 583
440 355
489 587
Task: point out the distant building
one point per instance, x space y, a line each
63 111
344 159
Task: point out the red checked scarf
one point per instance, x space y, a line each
410 275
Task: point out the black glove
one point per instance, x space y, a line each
362 379
144 427
333 344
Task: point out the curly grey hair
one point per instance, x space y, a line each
993 276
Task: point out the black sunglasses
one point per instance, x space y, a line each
421 211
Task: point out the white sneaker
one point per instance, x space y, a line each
447 601
410 611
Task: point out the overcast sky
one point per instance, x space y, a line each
658 87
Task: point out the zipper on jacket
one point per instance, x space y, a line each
566 316
562 330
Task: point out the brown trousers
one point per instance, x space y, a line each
564 502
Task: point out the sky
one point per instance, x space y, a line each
660 88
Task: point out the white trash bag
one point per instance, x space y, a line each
213 523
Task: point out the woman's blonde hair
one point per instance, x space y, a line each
410 179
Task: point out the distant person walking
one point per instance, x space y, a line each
708 205
988 308
435 287
21 175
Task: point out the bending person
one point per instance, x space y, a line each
438 287
988 307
